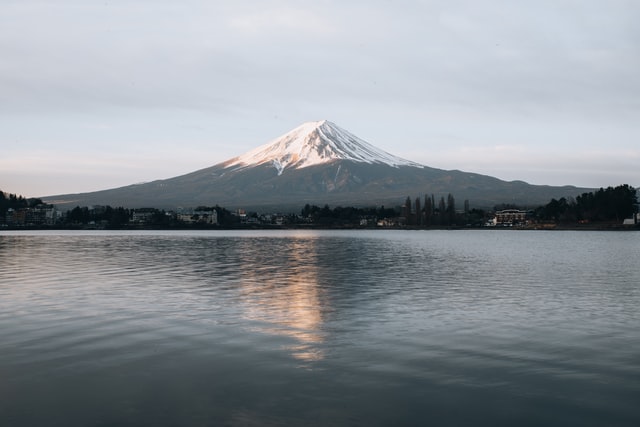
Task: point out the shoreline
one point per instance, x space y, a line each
533 227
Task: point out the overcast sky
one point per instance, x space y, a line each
100 94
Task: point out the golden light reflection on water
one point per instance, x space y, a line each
283 294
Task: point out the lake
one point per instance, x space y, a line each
358 328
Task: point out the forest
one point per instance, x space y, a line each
604 205
14 201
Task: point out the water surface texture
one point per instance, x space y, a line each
320 328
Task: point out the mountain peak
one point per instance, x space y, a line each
315 143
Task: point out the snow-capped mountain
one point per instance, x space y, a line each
316 163
316 143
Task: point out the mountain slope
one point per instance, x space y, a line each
318 163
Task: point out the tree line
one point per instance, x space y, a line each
119 217
343 215
14 201
604 205
425 212
611 204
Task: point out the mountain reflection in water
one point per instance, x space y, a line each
284 298
342 327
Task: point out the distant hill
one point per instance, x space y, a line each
318 163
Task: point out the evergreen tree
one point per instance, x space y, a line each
406 210
451 210
442 211
428 210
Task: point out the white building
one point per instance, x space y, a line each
510 217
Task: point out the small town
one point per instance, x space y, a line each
611 208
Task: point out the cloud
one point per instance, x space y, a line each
281 21
498 57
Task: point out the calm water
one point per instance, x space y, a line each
320 328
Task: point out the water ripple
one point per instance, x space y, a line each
281 326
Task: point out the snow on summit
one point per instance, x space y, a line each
315 143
